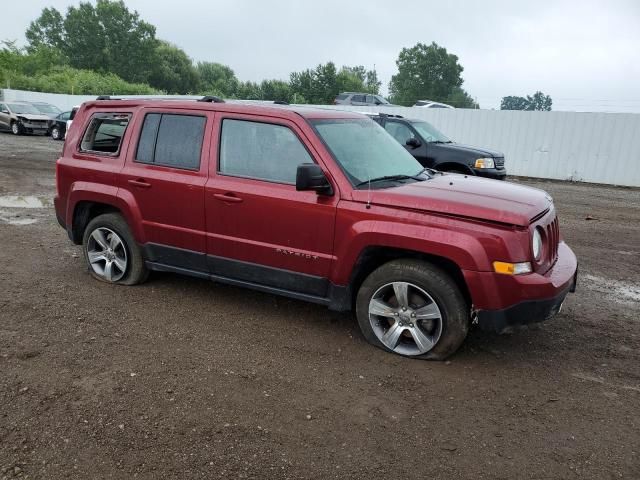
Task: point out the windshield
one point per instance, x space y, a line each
46 108
23 108
430 133
364 150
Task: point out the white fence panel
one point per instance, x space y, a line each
60 100
587 147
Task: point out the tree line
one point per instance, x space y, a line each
104 48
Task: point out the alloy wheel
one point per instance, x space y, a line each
405 318
107 254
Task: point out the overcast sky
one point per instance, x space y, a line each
585 54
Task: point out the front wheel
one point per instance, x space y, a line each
413 308
112 254
16 128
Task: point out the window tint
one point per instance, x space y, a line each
171 140
104 133
260 150
399 131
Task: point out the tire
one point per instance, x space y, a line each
56 134
430 293
16 128
108 240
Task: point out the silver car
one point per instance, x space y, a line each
22 117
361 99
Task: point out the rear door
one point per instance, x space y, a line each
165 173
261 230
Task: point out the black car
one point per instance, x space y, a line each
58 126
434 150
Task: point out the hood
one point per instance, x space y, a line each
475 152
32 116
473 197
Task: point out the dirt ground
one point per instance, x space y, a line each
184 378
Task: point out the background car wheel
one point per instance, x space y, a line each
16 128
112 254
55 133
413 308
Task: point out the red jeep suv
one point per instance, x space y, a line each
318 205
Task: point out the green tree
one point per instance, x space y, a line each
276 90
47 30
104 38
217 79
173 70
539 101
459 98
425 72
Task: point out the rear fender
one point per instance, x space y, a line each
107 195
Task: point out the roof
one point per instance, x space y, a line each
249 108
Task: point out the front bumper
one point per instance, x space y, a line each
495 173
34 126
505 301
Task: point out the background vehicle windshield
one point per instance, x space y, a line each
45 108
429 132
23 108
364 150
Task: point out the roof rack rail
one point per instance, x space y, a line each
390 115
280 102
104 97
211 98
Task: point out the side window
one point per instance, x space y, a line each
399 131
104 133
358 98
171 140
371 99
262 151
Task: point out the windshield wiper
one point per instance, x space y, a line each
430 171
391 178
441 141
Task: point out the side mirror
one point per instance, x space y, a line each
4 111
413 142
310 176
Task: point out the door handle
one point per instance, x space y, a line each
139 183
227 197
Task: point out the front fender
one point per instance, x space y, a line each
470 245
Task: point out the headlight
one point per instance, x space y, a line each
485 163
536 244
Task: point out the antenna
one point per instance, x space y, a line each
368 191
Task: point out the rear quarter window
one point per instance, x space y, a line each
104 133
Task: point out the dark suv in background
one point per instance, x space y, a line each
434 150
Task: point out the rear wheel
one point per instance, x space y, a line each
56 134
111 252
413 308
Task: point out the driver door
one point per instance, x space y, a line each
403 132
260 229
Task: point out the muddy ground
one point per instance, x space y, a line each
183 378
